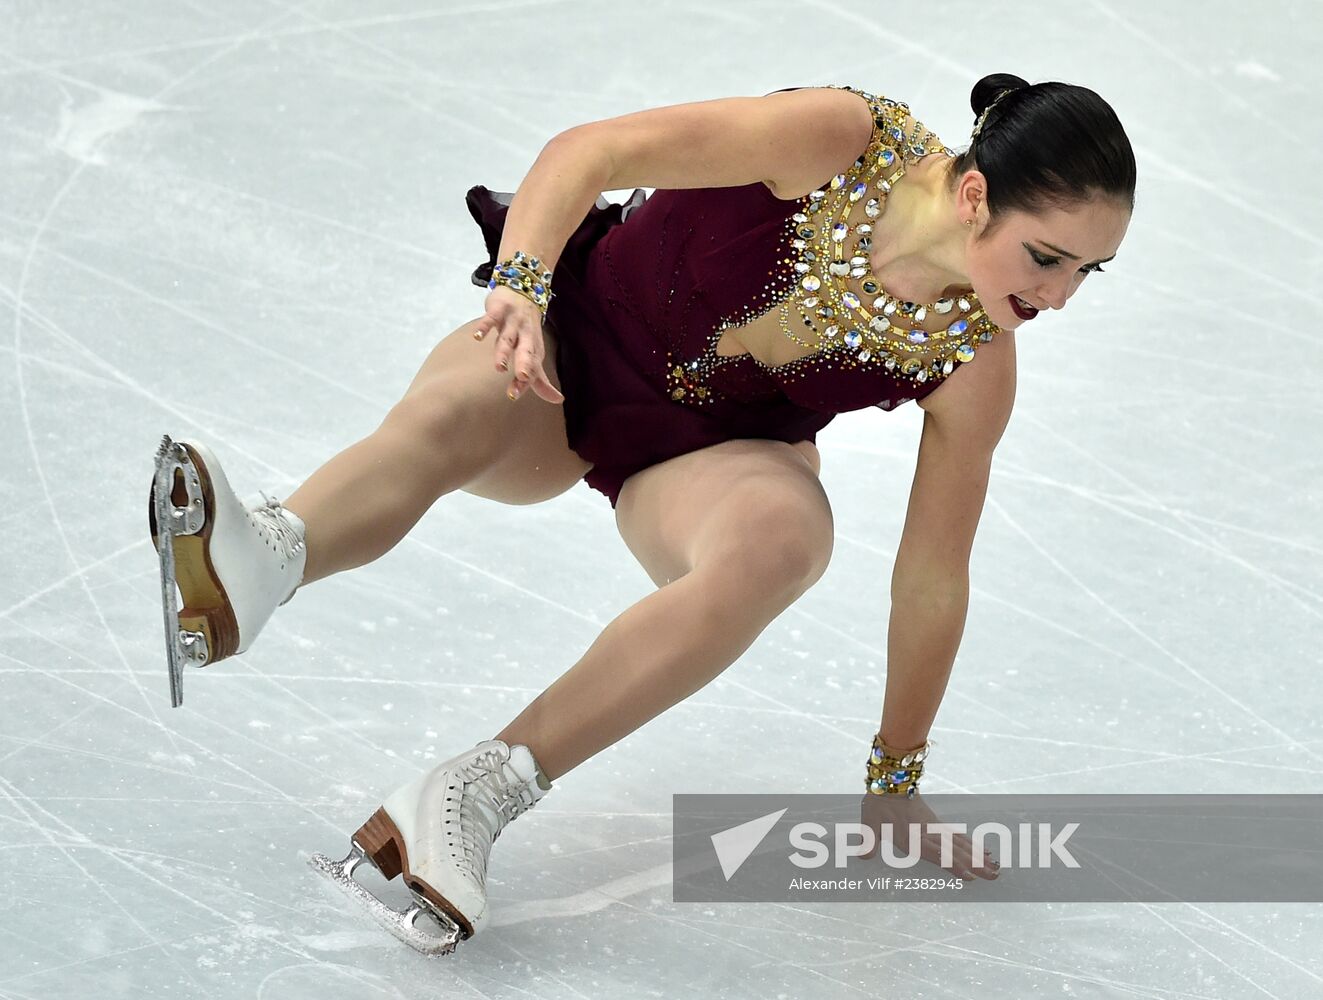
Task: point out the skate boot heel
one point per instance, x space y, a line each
207 634
380 840
207 611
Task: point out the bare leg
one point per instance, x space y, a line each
733 535
454 429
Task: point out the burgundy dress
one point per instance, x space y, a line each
644 290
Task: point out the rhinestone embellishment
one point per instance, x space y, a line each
828 299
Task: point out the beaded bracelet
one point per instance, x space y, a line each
895 772
521 274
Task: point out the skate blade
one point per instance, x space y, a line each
400 923
183 646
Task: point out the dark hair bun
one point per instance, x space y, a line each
1051 144
987 89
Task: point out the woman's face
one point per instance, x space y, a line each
1041 258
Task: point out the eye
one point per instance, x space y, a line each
1044 261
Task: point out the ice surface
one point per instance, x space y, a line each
244 221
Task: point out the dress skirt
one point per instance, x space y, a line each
613 365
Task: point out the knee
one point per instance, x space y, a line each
780 551
433 412
795 557
443 434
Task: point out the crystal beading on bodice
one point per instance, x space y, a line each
828 299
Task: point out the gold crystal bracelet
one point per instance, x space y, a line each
524 274
895 772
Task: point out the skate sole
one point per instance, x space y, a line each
185 562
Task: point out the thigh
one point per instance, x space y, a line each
749 505
459 390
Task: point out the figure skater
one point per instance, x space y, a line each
805 253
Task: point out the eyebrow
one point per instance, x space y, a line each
1067 253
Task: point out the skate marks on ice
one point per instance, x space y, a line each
610 893
88 148
147 869
441 937
1190 534
102 727
329 981
70 842
83 128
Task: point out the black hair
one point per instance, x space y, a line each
1046 145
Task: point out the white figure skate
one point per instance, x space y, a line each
437 832
233 564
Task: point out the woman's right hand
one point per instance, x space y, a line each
876 811
520 347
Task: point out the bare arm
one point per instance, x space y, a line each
963 421
555 195
780 139
776 139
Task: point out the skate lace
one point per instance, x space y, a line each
286 537
485 780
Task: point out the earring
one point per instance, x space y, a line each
969 222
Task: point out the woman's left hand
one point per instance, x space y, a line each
900 812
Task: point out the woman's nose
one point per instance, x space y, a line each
1058 293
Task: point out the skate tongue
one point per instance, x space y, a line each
521 763
524 765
